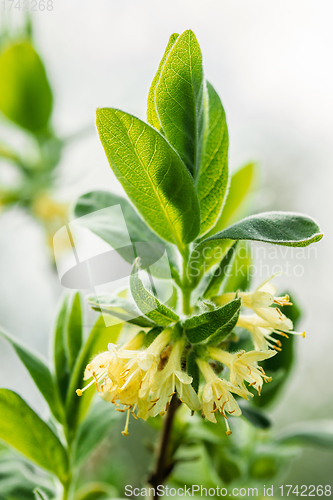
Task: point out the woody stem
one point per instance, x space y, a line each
164 464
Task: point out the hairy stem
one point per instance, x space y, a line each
164 465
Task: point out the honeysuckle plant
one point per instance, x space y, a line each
198 365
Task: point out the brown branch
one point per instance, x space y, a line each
164 463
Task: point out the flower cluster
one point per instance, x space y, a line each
142 381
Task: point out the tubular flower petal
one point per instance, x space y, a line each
216 395
168 380
262 328
243 367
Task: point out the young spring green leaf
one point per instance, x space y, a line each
94 428
22 429
119 308
73 331
212 179
280 228
59 352
115 233
99 337
152 116
239 275
148 303
179 99
219 275
204 256
39 373
152 174
213 326
25 93
318 434
242 185
193 370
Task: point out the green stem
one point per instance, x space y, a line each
186 289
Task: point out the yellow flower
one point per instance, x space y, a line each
262 327
262 297
243 367
124 376
172 378
216 395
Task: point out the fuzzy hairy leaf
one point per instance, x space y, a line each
25 93
212 179
179 99
22 429
120 308
193 370
152 116
152 174
213 326
280 228
114 232
219 275
39 373
148 303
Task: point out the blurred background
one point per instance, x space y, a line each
271 64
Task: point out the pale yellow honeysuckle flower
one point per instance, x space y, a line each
216 395
262 297
123 376
170 379
243 367
262 329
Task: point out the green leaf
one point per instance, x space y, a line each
213 325
242 185
279 366
119 308
148 303
280 228
193 370
40 494
152 174
114 232
25 94
59 352
100 336
212 180
204 256
39 373
255 417
179 98
73 332
219 275
152 334
238 276
94 428
318 433
22 429
152 116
